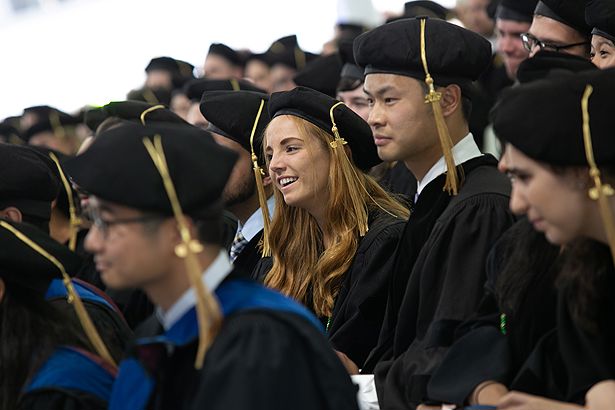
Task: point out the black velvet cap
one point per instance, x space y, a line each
27 181
9 133
50 123
232 115
226 52
118 168
194 89
162 63
517 10
130 111
286 51
150 95
262 57
600 15
350 69
24 267
425 8
181 71
314 107
321 74
349 31
546 63
543 119
454 55
568 12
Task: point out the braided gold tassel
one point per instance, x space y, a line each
452 179
599 192
260 188
208 310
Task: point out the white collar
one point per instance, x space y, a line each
212 277
463 151
255 222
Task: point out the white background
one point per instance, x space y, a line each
77 52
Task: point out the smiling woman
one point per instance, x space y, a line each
334 229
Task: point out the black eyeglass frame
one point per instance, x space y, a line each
530 41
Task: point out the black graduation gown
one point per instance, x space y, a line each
361 302
569 360
488 349
71 379
267 355
438 279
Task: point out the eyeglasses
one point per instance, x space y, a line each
529 42
93 215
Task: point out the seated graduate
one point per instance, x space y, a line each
560 154
519 305
237 120
46 361
335 229
158 227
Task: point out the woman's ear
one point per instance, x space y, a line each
451 99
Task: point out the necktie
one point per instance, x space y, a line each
238 244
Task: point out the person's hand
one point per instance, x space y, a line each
521 401
601 396
488 392
350 366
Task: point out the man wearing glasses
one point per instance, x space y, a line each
558 26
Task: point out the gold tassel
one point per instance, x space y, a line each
260 188
235 84
452 179
599 192
208 311
74 220
150 109
73 298
358 204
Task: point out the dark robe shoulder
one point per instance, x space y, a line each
361 302
443 280
269 353
272 360
71 379
105 315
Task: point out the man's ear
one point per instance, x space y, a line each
12 214
451 99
